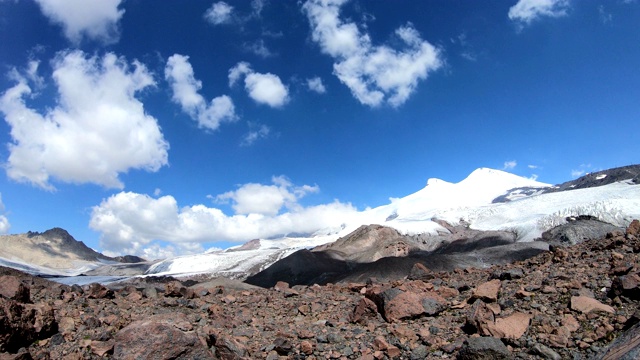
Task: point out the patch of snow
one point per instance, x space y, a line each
601 176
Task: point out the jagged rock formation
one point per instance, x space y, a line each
382 252
576 302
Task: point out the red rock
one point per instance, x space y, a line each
363 310
174 289
586 305
510 327
281 286
488 291
97 291
164 336
396 304
306 347
12 288
478 316
634 228
101 348
570 322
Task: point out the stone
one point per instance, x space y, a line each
12 288
421 272
396 304
483 348
306 347
97 291
633 228
174 289
478 316
228 348
365 309
586 305
510 327
627 286
21 324
545 352
488 291
164 336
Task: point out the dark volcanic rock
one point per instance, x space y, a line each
483 348
577 230
625 347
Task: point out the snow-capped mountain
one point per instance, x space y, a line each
525 209
488 200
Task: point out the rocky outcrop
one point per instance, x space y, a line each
578 229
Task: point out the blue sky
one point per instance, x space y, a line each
169 127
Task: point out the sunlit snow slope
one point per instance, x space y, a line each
469 200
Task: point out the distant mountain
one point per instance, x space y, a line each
53 252
489 217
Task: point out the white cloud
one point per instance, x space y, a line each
97 130
266 199
4 222
96 20
533 177
510 164
185 87
532 166
219 13
315 84
265 89
131 223
526 11
259 48
374 74
582 169
255 133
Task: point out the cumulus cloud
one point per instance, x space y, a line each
179 73
219 13
96 20
265 89
97 130
4 222
526 11
510 164
374 74
222 13
255 133
266 199
315 84
132 223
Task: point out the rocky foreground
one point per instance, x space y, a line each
578 302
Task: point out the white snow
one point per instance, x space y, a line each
601 176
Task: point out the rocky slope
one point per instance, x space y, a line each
577 302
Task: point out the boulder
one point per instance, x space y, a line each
164 336
97 291
22 324
483 348
12 288
626 285
395 304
